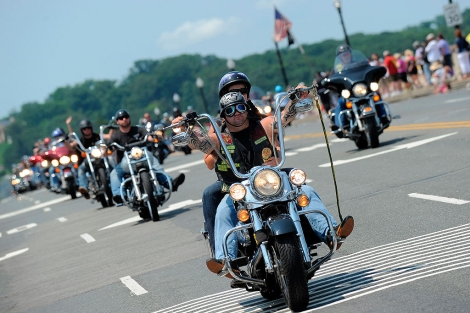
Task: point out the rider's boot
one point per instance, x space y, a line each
344 230
84 192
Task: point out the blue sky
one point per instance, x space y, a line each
48 44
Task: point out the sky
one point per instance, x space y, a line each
49 44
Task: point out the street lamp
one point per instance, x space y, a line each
176 100
337 4
200 85
231 64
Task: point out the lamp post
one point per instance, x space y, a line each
337 4
231 64
176 100
200 85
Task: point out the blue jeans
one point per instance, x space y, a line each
53 178
427 72
210 200
117 175
226 219
82 179
380 108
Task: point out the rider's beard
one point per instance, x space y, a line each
237 120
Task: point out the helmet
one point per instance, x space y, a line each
58 132
342 48
278 88
121 113
85 124
230 99
231 78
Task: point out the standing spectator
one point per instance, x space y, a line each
432 51
422 61
374 59
402 69
412 71
462 46
444 48
391 64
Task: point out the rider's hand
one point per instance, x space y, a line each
177 120
304 94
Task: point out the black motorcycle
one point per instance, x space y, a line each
358 83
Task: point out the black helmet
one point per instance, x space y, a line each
342 48
85 124
229 99
121 113
231 78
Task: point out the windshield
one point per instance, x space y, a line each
348 60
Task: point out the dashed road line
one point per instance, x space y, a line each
62 219
133 286
88 238
438 198
12 254
21 228
47 209
34 207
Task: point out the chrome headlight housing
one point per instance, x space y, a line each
267 182
345 93
45 163
64 160
360 90
96 153
55 163
136 153
297 177
237 192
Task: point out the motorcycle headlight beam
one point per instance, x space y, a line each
297 177
360 90
267 182
74 158
136 153
45 163
64 160
345 93
237 192
374 86
267 109
96 153
55 163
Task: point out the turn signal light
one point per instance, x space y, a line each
349 104
109 152
57 170
243 215
303 200
367 109
83 154
75 165
376 97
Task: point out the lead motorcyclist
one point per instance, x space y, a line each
344 54
59 139
250 146
128 134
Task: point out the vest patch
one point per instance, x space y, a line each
257 142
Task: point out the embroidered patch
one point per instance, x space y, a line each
260 140
266 153
227 139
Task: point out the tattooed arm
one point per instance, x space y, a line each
289 112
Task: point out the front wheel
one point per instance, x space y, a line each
372 135
151 202
107 189
290 272
71 188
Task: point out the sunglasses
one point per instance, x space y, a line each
89 128
230 111
122 117
243 91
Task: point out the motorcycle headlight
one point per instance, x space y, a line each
237 192
360 90
74 158
45 163
374 86
345 93
15 181
24 173
267 182
136 153
96 153
55 163
267 109
260 109
297 177
64 160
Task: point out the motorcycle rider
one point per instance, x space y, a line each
128 134
59 139
344 53
251 146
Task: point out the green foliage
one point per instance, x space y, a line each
152 83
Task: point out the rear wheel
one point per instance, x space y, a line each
290 272
151 202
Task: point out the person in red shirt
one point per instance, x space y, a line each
393 77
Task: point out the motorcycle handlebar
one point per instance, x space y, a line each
129 146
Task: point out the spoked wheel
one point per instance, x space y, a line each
107 189
151 202
372 135
290 272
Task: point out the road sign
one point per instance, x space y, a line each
452 14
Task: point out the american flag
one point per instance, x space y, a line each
281 26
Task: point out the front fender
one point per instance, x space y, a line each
280 225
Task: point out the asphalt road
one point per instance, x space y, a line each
409 252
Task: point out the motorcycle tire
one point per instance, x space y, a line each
361 142
290 272
152 202
372 135
71 189
104 183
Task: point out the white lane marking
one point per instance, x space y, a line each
291 153
34 207
88 238
37 201
184 166
21 228
457 100
62 219
340 140
396 148
185 171
438 198
0 235
319 145
133 286
308 181
47 209
12 254
171 207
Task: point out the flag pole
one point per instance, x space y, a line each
286 82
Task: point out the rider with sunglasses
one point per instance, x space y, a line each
247 135
128 134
